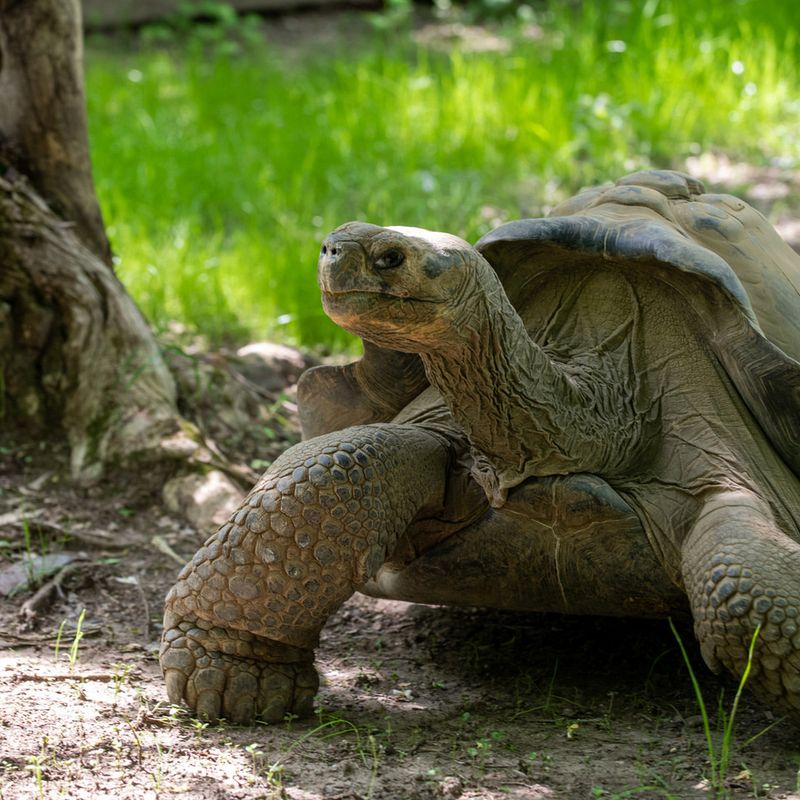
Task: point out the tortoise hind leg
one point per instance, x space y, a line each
245 614
741 570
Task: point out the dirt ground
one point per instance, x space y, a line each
416 702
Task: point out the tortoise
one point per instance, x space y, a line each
597 412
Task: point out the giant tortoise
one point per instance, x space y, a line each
593 413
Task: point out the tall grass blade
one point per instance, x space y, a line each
714 778
718 765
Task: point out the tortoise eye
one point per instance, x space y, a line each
391 259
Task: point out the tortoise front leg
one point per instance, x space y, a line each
242 620
741 570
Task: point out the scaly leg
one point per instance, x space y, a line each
242 620
741 570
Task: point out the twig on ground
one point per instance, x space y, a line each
214 457
251 386
15 522
147 717
133 580
39 677
42 598
9 640
36 485
161 545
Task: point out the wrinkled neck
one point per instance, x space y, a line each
480 367
526 414
530 412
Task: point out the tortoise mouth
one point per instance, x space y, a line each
372 311
370 295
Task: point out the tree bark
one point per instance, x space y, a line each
75 352
76 356
43 131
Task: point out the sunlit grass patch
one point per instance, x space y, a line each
219 174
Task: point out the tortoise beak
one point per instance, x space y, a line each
343 261
341 266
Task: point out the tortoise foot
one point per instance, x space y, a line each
231 674
742 574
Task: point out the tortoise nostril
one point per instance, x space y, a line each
324 250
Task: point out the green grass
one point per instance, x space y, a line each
219 173
719 755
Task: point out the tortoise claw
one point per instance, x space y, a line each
176 685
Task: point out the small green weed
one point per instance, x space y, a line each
256 757
32 553
330 725
59 634
35 764
199 727
120 675
718 758
26 533
75 646
156 774
485 746
76 641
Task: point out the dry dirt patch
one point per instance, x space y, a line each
416 702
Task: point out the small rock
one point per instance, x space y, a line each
179 446
205 500
452 787
273 366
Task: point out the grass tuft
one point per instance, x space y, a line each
719 759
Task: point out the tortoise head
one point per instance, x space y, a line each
401 288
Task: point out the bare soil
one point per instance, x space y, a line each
416 702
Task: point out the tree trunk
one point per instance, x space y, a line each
75 352
76 356
43 123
